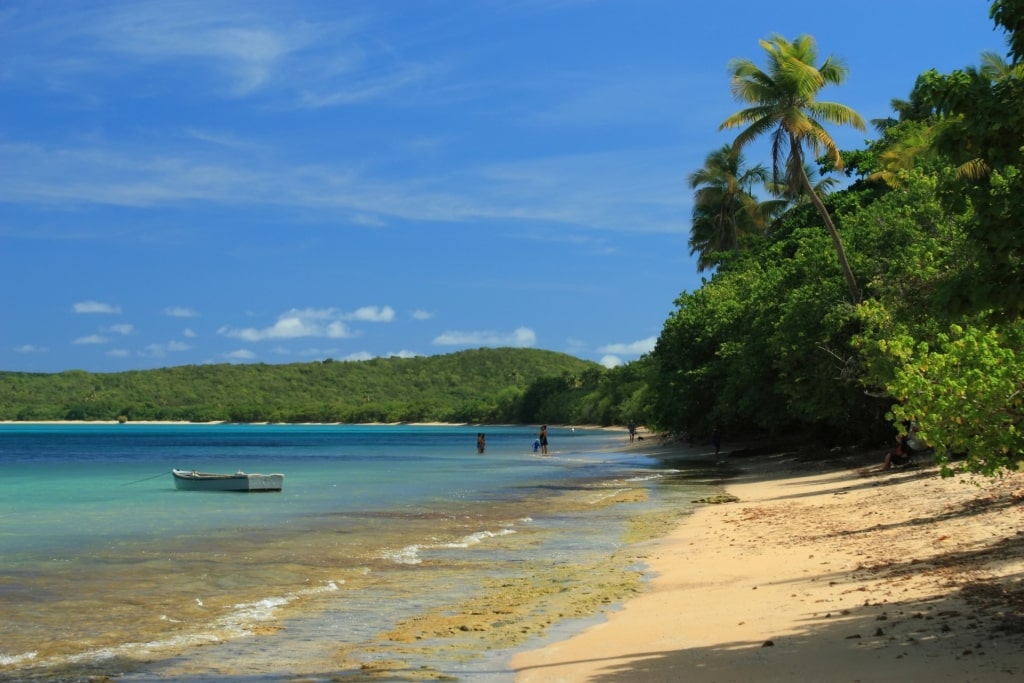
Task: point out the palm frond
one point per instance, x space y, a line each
784 107
974 170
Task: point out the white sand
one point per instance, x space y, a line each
821 574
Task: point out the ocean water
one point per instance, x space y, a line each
381 536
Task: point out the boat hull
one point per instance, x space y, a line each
190 480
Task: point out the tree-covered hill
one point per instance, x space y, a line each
482 385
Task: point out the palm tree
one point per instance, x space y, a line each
939 132
787 199
783 104
791 198
903 153
993 71
996 68
724 209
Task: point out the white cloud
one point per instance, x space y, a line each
95 307
124 329
373 314
30 348
311 322
91 339
337 58
366 355
637 348
422 315
245 48
189 333
178 346
578 191
610 361
522 337
180 312
240 354
119 353
337 330
294 324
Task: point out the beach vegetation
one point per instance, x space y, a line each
931 331
726 209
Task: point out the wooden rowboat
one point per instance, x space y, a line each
190 480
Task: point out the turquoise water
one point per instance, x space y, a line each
104 566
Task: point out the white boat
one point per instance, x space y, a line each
190 480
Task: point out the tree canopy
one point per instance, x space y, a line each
931 224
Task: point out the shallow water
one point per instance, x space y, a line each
380 537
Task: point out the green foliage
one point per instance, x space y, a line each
1009 14
932 226
980 131
765 345
966 392
483 385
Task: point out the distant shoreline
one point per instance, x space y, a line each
613 428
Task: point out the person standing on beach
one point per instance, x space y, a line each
543 438
632 431
716 440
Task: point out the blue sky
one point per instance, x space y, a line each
205 182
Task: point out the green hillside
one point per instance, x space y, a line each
482 385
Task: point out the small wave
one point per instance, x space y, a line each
410 554
478 537
251 612
263 610
132 648
647 477
610 494
233 625
9 660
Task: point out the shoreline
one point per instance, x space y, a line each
479 585
610 428
827 570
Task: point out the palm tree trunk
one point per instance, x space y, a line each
851 281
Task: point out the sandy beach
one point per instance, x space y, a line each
825 568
